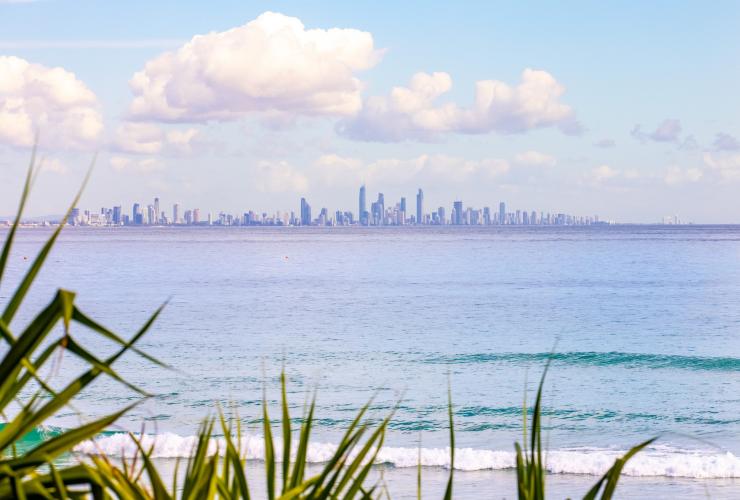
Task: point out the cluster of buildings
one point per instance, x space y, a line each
376 213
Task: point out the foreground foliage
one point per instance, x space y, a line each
28 396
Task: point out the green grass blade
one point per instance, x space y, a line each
197 460
376 441
233 458
418 472
5 254
610 479
31 337
287 433
351 436
7 395
76 349
84 320
298 490
61 490
448 490
47 451
74 387
299 467
155 480
269 450
38 262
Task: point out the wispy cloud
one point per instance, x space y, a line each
90 44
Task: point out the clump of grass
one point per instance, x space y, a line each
27 351
222 475
34 473
531 468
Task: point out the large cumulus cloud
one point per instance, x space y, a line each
272 64
411 113
51 100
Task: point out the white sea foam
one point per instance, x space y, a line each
658 461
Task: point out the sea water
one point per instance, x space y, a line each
642 325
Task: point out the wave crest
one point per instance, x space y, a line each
593 358
659 461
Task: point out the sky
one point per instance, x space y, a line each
626 110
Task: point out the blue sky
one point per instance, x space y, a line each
630 111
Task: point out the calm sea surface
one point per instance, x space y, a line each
644 323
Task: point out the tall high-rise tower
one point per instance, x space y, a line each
305 213
117 217
502 213
459 215
420 207
157 213
362 215
136 213
381 209
176 213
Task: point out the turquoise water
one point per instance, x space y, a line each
644 323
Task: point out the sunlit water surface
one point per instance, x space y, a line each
644 323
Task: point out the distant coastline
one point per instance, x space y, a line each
4 223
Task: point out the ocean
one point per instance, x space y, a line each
642 324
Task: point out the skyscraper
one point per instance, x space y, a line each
305 213
136 214
363 206
502 213
381 209
156 216
176 213
458 219
420 207
403 204
74 217
117 218
324 217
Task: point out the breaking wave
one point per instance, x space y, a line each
657 461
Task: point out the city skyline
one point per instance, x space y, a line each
153 214
593 111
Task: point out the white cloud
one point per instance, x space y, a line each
603 173
336 170
535 159
139 165
677 175
410 112
51 100
151 139
279 177
139 138
725 164
271 64
669 130
183 141
54 165
726 142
